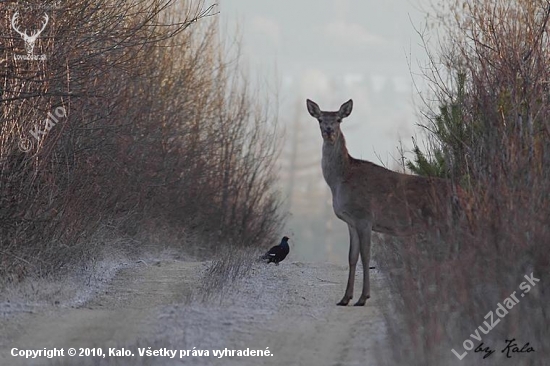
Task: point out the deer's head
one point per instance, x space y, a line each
29 40
329 122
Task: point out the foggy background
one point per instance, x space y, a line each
331 51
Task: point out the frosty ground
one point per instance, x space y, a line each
160 305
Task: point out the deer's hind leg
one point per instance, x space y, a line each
353 258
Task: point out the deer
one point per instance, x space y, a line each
29 40
369 197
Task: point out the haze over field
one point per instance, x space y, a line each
331 51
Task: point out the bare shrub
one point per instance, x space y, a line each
160 129
491 125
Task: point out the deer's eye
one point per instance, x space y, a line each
320 120
339 120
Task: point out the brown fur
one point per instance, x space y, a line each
369 197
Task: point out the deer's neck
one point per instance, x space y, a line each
336 160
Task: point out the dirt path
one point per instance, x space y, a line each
342 337
289 308
122 314
310 330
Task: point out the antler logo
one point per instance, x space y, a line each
29 40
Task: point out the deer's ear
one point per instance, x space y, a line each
345 109
313 108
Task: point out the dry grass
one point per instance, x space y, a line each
224 273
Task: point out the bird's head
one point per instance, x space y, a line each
284 242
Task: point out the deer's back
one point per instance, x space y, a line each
395 203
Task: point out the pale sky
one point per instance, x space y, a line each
334 50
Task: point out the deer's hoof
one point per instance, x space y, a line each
361 302
344 301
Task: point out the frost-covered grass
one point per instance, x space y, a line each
240 314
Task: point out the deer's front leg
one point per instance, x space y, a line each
365 233
353 258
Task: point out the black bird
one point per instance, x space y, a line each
278 252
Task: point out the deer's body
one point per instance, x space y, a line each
361 189
369 197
